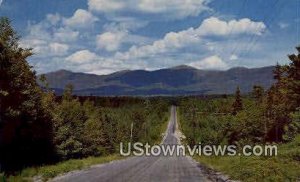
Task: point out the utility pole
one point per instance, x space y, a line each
131 129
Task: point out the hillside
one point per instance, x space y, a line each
180 80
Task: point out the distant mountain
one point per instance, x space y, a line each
180 80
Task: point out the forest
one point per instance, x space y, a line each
37 127
265 116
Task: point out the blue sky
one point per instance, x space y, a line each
103 36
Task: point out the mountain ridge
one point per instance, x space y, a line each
178 80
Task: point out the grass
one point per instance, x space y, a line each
51 171
284 167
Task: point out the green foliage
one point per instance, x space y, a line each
211 122
36 127
50 171
25 126
293 78
293 128
258 93
270 117
248 127
82 129
284 167
237 104
283 98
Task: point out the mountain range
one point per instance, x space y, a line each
180 80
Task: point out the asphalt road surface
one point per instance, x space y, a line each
143 169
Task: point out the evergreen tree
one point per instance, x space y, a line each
237 105
278 73
258 92
25 127
293 79
69 121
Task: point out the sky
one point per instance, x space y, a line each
105 36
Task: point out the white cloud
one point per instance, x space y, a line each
47 40
90 62
58 49
215 26
211 63
80 19
171 41
83 56
53 18
110 41
39 31
125 23
187 38
233 57
66 35
0 2
175 9
39 46
44 49
106 5
118 32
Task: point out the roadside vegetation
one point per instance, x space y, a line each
44 134
284 167
50 171
269 116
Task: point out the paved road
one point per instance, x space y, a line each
144 169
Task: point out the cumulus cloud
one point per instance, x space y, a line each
53 18
110 41
215 26
175 9
90 62
125 23
171 41
106 5
187 38
48 38
65 35
43 49
80 19
211 63
58 49
83 56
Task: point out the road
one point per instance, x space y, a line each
144 169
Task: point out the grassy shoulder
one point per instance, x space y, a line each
51 171
284 167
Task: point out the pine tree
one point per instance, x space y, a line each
237 105
277 72
293 79
258 92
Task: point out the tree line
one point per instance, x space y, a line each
263 116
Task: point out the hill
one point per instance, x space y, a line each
180 80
